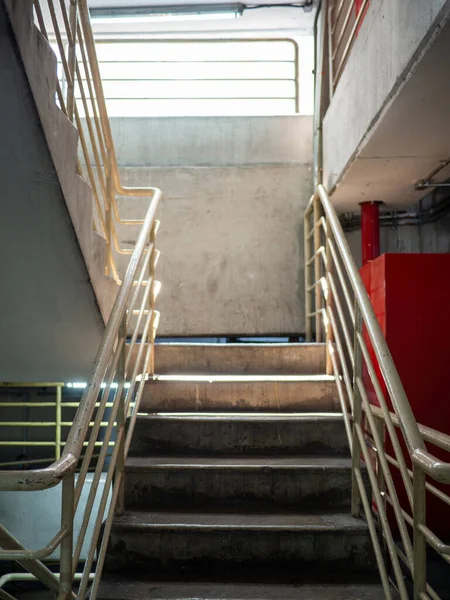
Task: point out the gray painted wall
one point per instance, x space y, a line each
50 325
235 190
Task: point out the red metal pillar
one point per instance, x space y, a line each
370 230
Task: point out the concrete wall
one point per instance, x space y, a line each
50 325
393 35
231 221
431 237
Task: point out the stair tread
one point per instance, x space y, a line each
242 416
322 521
136 590
148 463
241 345
195 378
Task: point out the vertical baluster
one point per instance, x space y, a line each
330 47
317 268
121 418
152 270
420 545
357 414
72 37
308 278
58 423
67 516
328 300
108 213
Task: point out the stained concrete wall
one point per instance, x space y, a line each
392 36
50 326
231 241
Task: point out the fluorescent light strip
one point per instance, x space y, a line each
80 385
105 16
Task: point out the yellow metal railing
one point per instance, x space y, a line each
83 101
344 17
98 440
46 433
339 313
57 424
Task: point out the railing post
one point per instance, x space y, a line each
108 212
357 414
317 268
58 423
152 271
121 418
67 516
420 545
330 49
328 301
72 37
308 278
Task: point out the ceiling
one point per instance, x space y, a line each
271 21
409 139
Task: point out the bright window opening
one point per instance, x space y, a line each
206 78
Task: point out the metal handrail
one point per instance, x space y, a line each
342 20
120 369
338 308
75 44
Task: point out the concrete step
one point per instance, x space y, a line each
240 359
141 590
188 482
307 393
206 544
232 433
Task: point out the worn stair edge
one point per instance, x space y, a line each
215 433
321 522
240 359
40 65
143 464
237 481
268 393
216 542
140 590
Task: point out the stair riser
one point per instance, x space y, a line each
230 359
233 436
191 488
204 553
132 590
305 396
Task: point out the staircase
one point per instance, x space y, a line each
241 488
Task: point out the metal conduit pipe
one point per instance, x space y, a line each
352 221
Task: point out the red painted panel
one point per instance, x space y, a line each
409 293
370 231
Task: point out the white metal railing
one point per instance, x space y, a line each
339 312
98 439
81 97
344 17
120 373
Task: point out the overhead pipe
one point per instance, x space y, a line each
352 221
